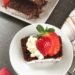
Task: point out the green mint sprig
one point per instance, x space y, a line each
43 30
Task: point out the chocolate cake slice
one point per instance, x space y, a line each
31 8
26 53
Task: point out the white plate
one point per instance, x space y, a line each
18 62
47 10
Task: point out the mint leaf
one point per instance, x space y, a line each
50 30
43 31
40 29
46 30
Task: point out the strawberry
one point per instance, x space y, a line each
5 3
48 43
55 46
43 44
4 71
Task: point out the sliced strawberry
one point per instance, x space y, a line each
5 3
43 44
49 44
55 46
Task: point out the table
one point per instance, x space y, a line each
9 26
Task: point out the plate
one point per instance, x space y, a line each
18 62
47 10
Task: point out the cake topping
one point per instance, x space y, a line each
31 46
43 44
46 43
5 3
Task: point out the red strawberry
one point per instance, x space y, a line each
4 71
43 44
48 44
5 3
55 46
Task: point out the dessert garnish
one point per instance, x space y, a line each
46 44
5 3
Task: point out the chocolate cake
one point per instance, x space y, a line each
26 53
44 45
31 8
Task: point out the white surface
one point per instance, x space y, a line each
69 30
72 13
18 62
47 10
68 27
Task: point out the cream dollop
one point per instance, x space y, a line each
31 46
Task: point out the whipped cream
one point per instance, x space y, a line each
31 46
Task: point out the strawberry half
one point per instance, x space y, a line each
43 44
48 43
55 46
5 3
